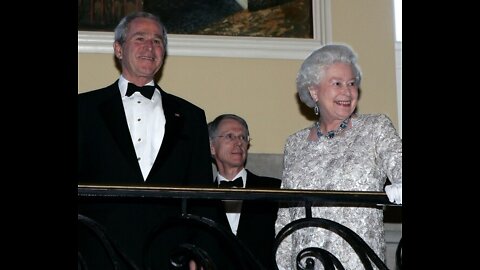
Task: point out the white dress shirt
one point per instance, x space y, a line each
146 122
233 208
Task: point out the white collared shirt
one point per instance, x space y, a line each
233 208
146 122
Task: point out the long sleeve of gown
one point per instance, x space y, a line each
283 218
389 149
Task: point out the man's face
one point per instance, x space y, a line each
228 148
142 53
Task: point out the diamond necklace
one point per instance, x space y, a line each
330 134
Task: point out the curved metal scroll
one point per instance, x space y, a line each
115 255
329 261
398 255
186 252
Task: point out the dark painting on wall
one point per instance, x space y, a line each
255 18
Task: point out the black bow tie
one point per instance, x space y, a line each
146 91
235 183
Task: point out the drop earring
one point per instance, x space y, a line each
315 109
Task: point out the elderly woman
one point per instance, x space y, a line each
341 151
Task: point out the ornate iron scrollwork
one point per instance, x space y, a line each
365 253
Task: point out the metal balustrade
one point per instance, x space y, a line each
241 255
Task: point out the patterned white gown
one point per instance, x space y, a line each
358 159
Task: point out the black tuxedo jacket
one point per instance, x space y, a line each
106 155
256 228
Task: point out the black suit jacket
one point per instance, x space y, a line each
106 155
256 227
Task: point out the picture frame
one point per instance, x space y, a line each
230 46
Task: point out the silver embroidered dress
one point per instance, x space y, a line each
358 159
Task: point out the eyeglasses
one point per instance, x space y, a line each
229 137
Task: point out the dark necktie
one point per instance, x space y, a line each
235 183
146 91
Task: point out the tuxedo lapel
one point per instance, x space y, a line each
173 125
248 205
113 114
251 180
250 208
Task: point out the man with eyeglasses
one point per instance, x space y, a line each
253 222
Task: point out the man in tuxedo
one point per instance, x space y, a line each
253 222
134 133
